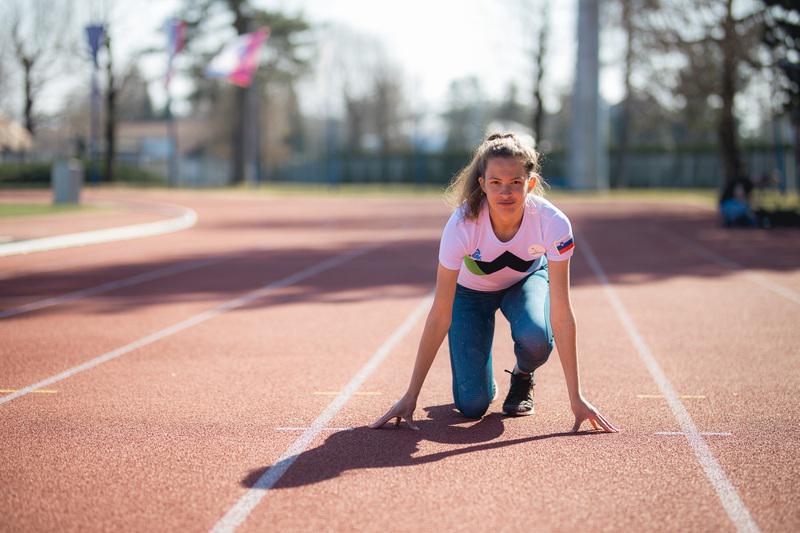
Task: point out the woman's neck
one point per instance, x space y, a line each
505 227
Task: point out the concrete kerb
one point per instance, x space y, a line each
186 219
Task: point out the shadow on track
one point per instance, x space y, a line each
629 240
388 448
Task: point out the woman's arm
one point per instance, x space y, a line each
562 321
436 327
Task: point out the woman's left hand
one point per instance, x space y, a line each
585 411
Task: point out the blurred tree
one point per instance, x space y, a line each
350 60
133 99
510 109
782 38
356 66
284 61
717 43
5 75
536 26
41 44
116 19
627 14
356 110
387 106
465 116
296 138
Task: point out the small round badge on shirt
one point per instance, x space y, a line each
536 250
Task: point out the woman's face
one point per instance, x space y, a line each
505 184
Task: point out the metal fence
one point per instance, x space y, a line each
652 169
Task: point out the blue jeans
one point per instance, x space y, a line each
526 305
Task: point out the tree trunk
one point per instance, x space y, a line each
538 112
27 67
621 180
237 139
241 23
796 185
728 138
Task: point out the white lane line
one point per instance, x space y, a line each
196 319
731 501
110 286
40 391
730 264
237 514
708 433
187 219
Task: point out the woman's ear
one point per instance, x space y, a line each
532 181
482 184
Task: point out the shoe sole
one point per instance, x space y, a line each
494 398
518 413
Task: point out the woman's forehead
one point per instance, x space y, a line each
498 167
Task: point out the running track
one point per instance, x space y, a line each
202 404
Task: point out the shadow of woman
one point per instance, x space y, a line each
386 448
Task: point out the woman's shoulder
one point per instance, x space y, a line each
543 207
460 217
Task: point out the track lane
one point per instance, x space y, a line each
459 474
724 338
155 419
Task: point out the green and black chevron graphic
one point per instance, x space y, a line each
506 259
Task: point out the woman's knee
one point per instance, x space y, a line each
533 349
474 407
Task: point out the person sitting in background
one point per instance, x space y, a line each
734 204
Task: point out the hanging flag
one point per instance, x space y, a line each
176 36
95 33
238 60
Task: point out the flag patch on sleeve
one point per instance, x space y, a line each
565 246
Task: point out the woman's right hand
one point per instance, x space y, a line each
403 409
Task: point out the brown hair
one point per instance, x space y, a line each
465 189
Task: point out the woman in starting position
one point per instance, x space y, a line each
505 247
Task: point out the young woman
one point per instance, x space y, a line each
505 247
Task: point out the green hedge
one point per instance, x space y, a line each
38 175
33 174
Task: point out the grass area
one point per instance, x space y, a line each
774 201
344 189
704 196
19 210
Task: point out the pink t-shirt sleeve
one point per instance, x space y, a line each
558 237
453 245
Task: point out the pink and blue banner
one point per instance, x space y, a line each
176 37
237 62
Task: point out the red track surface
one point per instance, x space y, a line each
171 435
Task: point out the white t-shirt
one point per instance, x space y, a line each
487 264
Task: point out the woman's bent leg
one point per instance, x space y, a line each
470 340
527 308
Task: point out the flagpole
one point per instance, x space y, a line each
256 118
94 177
94 33
175 41
172 135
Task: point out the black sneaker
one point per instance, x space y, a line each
519 401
